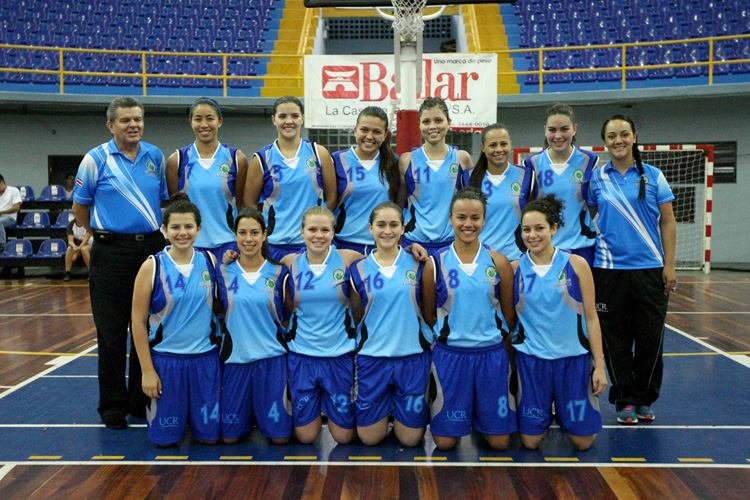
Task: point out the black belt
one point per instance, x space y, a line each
104 236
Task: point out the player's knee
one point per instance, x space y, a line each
284 440
306 436
207 441
411 440
343 436
582 443
230 440
498 442
445 443
531 442
370 438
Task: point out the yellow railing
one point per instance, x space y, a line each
144 75
623 68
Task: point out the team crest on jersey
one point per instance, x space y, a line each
224 169
150 168
491 273
562 280
515 190
453 171
205 279
310 166
338 277
578 174
270 286
411 278
644 177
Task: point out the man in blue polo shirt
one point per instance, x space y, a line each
117 193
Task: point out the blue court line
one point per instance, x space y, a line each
53 414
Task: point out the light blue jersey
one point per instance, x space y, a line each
628 234
468 300
430 193
569 182
290 186
181 314
320 324
124 195
210 184
360 190
253 312
392 324
551 324
507 194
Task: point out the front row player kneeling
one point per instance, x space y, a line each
174 332
558 341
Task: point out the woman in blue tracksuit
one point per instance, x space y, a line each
507 187
175 334
393 360
288 177
254 381
366 175
469 375
558 341
633 269
212 175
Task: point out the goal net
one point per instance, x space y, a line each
689 171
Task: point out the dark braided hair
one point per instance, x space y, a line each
560 108
636 151
470 193
388 162
179 203
480 168
550 206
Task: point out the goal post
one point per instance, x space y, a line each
689 169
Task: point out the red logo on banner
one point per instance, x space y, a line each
340 82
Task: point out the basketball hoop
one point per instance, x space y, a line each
408 25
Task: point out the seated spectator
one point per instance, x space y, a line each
10 204
70 183
79 244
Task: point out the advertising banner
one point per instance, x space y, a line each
337 87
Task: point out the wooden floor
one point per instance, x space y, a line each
42 319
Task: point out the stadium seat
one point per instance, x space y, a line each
52 193
63 219
51 248
27 193
35 220
17 249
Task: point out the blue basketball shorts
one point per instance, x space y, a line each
585 252
321 384
392 386
469 388
191 385
357 247
219 251
567 382
278 252
256 391
432 248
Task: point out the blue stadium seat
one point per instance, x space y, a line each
63 219
27 193
17 249
51 248
35 220
52 193
743 52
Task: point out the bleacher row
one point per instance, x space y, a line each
35 241
152 25
557 23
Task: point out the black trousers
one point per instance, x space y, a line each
632 309
114 266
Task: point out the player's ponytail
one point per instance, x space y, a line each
388 161
550 206
480 168
179 203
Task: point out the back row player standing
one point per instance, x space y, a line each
289 176
430 174
212 175
565 170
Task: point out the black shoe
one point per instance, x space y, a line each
115 422
138 411
67 276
